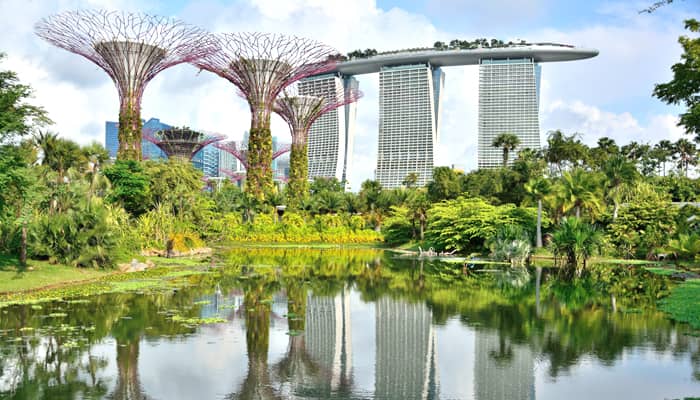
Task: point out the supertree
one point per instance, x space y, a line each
261 65
233 176
240 151
300 112
132 48
181 143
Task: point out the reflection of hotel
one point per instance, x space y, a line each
406 356
328 338
503 370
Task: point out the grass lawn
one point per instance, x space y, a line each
39 274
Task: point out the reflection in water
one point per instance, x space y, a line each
128 386
406 357
528 339
328 338
503 370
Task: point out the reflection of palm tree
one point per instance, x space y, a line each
128 383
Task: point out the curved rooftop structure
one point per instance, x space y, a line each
539 52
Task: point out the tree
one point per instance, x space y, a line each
129 186
446 184
508 142
618 172
17 117
174 183
410 180
685 85
562 149
686 154
538 188
579 190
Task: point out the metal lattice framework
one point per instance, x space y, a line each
261 65
232 175
131 48
240 151
181 142
301 111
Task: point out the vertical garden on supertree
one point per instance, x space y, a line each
131 48
261 65
300 112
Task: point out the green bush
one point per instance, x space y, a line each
84 236
466 223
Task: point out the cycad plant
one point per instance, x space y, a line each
511 244
573 243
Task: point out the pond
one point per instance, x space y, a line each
346 324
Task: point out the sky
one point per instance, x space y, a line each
609 95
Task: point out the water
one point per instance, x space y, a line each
348 324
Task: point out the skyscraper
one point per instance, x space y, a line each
409 105
331 136
509 92
149 150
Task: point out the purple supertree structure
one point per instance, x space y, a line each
240 151
233 176
181 143
300 112
261 65
132 48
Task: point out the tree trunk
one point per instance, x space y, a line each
23 245
539 223
616 208
505 157
578 211
422 228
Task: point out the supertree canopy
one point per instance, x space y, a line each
261 65
240 151
300 112
132 48
181 143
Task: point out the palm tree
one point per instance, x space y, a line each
538 189
686 154
506 141
574 241
619 171
578 190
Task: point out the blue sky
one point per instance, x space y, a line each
609 95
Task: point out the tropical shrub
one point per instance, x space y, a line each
84 236
685 246
573 243
295 228
511 244
466 223
643 226
397 227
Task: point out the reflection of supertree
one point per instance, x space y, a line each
132 49
257 384
128 385
300 112
297 367
181 142
240 151
261 66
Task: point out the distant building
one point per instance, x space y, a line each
409 109
330 140
206 160
509 93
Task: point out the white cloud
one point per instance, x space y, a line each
594 123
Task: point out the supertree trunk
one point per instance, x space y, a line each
298 185
259 181
130 126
